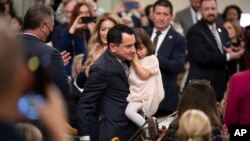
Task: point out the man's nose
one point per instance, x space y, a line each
133 50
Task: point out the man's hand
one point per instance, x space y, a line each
235 52
65 57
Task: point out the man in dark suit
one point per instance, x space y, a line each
38 24
207 50
107 85
170 51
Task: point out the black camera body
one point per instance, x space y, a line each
87 20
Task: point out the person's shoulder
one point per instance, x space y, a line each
150 60
174 34
198 27
242 74
182 12
102 61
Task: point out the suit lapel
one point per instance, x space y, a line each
167 43
117 64
222 35
208 33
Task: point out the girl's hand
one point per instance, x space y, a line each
135 58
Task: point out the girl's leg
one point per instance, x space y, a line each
132 113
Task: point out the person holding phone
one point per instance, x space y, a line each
132 13
75 37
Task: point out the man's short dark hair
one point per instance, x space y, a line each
115 33
164 3
36 15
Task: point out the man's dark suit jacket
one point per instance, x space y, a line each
171 56
52 61
107 85
206 61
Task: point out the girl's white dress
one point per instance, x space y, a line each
150 92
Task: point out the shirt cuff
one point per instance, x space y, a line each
228 56
85 138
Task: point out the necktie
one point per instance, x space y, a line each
158 33
125 66
217 38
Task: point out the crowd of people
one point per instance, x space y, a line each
72 71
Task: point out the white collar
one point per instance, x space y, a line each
32 35
165 31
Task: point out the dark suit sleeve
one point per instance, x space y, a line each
202 49
58 74
94 89
175 63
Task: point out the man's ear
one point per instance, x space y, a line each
112 47
42 26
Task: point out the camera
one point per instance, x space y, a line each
87 20
131 5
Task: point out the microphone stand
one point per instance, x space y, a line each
139 132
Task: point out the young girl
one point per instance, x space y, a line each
146 88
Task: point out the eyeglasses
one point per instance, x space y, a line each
198 81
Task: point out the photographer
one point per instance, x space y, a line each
76 36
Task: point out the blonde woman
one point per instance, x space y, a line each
194 125
98 41
29 131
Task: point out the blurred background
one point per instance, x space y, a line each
22 5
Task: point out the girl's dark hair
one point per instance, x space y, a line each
142 37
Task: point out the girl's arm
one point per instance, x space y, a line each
140 71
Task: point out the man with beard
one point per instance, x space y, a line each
209 49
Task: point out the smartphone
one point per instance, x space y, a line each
87 20
35 97
28 105
131 5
